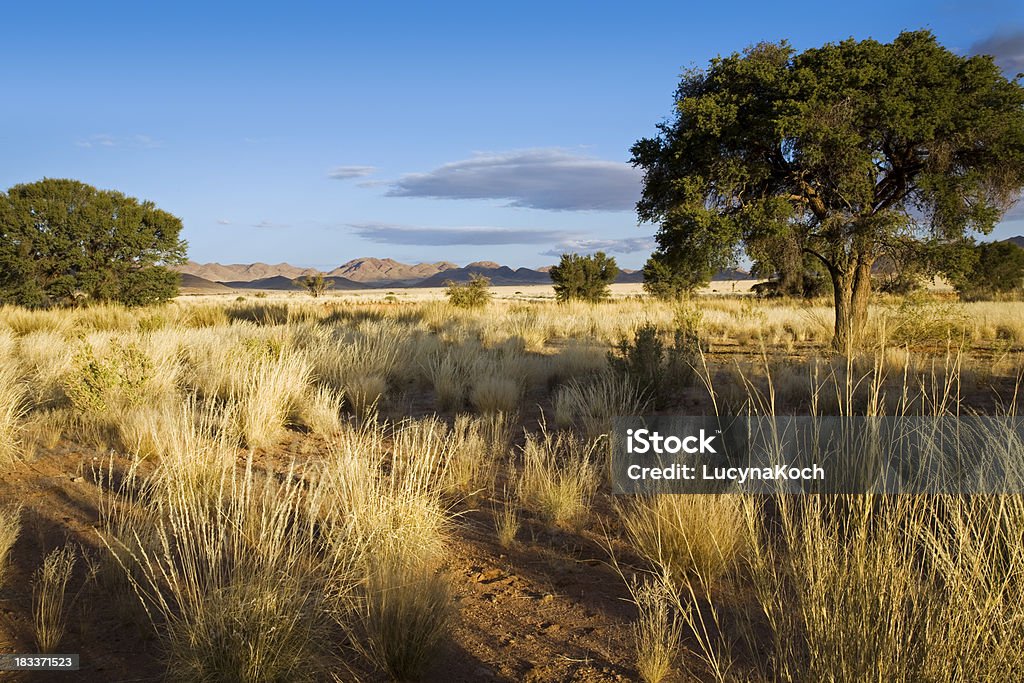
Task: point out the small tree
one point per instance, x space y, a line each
315 285
584 277
472 294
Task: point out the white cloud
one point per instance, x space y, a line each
628 245
348 172
389 233
106 140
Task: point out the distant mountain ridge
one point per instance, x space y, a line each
379 271
368 272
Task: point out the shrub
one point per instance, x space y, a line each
659 371
472 294
584 277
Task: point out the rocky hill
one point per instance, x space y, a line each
242 272
388 271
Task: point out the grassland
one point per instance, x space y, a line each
261 489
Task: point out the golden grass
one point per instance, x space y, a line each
12 408
49 601
559 477
687 535
350 547
657 631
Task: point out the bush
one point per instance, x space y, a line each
584 277
472 294
659 371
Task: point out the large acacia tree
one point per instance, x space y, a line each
63 240
844 149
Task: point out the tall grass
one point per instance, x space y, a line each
396 527
688 535
231 572
12 408
845 587
49 601
592 404
657 631
559 477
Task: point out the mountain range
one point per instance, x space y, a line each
362 273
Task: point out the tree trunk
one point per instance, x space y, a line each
852 291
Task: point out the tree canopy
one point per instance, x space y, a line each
63 240
844 150
584 277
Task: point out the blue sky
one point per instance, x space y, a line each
314 133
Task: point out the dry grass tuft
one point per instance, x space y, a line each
49 608
12 408
559 477
657 631
495 394
506 522
688 535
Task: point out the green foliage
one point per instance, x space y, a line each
997 268
584 277
473 294
666 280
315 285
62 241
791 271
843 148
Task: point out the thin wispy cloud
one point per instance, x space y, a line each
552 179
1007 47
349 172
1015 212
269 225
223 221
629 245
388 233
105 140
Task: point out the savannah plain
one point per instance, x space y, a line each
271 487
